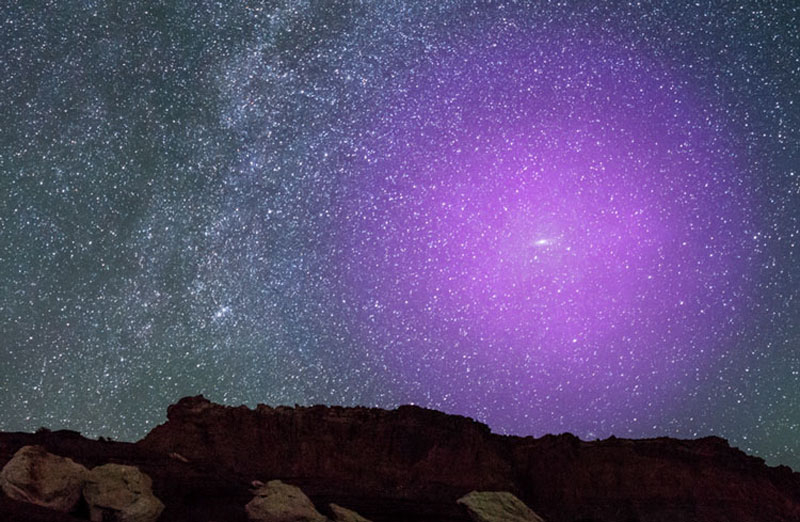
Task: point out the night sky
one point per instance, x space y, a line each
547 216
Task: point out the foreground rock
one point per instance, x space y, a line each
118 493
36 476
497 506
279 502
341 514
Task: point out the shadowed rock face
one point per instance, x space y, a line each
497 506
416 455
341 514
408 453
121 493
412 464
35 476
279 502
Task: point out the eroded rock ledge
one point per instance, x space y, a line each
412 464
413 455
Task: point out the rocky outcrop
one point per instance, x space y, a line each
36 476
497 506
412 464
119 493
279 502
408 453
703 480
341 514
386 464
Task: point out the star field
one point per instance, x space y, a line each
556 216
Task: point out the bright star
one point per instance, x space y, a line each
222 311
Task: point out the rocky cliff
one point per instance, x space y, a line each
411 464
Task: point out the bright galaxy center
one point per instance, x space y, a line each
554 217
547 223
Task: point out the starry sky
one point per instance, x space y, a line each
549 216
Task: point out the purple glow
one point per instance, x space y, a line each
553 234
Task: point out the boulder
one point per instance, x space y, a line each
341 514
33 475
279 502
120 494
497 506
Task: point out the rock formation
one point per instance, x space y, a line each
279 502
398 460
36 476
412 465
408 453
497 506
118 493
341 514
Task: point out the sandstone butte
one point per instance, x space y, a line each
412 464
